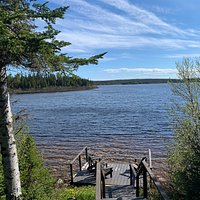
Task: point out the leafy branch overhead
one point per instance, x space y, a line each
25 44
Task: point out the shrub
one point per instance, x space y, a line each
184 155
35 178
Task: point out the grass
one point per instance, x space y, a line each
77 193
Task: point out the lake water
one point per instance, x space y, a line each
119 122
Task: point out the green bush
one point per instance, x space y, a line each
2 194
184 155
36 180
184 161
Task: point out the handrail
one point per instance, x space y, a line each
155 181
143 168
98 181
133 174
150 161
81 152
80 163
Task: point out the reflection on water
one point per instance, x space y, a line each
119 122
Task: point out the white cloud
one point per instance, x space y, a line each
145 17
89 26
189 55
89 40
142 70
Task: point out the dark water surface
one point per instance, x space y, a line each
119 122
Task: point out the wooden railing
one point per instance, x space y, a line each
79 157
99 185
100 182
144 170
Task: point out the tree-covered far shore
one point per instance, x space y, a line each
37 81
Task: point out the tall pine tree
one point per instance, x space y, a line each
23 45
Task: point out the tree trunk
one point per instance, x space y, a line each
8 144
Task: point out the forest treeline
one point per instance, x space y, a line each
134 81
45 80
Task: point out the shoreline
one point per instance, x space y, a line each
51 90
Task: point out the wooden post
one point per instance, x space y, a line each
131 175
145 182
98 182
86 154
150 162
137 186
71 173
89 161
79 158
103 185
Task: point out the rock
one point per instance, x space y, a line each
59 182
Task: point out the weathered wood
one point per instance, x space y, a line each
103 185
120 192
145 182
98 182
133 174
86 154
121 174
92 163
150 161
71 174
156 182
118 183
137 186
79 159
84 177
81 152
80 164
107 171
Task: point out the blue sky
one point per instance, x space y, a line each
144 39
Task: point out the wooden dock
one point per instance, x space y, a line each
115 181
84 177
116 186
119 185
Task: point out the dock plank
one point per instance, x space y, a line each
119 185
121 174
85 177
121 191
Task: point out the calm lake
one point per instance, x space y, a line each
119 122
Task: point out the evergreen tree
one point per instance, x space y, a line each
23 45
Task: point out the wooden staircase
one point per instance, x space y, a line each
115 181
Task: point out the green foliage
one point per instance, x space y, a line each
36 180
44 80
25 44
37 183
77 193
184 155
2 194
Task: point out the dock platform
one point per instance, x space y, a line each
115 181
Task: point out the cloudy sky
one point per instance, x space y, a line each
144 39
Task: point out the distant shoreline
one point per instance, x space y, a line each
134 81
51 90
96 84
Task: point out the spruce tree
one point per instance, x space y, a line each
23 45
